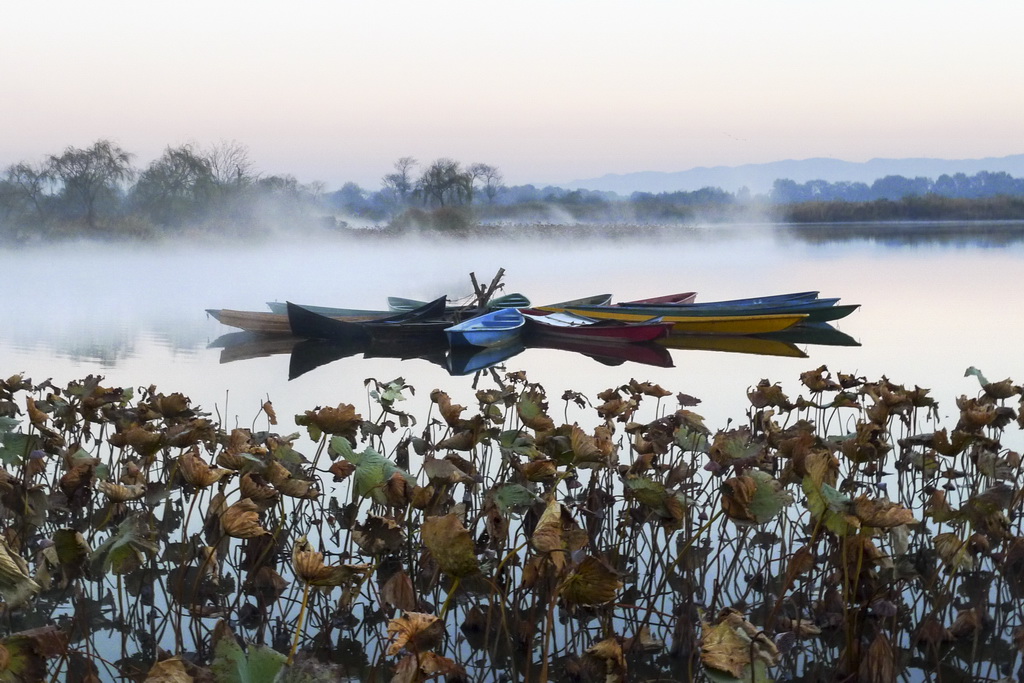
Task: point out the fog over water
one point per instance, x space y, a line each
930 307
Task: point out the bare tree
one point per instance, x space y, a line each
445 183
89 175
230 164
26 188
400 182
176 187
490 177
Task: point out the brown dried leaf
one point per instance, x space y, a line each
451 545
451 412
197 472
593 582
268 408
881 513
242 520
118 493
399 592
414 631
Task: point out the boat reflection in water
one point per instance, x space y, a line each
309 354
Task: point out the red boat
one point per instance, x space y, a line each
566 325
665 300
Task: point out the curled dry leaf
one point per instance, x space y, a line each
881 513
119 493
268 408
16 585
242 520
197 472
557 534
309 566
342 421
414 631
253 487
451 412
735 645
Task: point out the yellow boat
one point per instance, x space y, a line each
688 324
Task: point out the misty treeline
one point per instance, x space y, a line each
191 190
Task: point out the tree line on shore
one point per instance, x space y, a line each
97 191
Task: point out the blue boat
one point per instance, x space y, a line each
500 326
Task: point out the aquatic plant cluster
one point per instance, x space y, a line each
841 535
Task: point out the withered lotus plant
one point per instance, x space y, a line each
734 645
197 472
415 632
293 487
256 489
16 584
120 493
242 520
309 567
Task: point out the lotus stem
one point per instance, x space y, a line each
298 626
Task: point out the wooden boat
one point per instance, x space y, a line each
817 310
593 300
570 325
709 324
691 298
309 325
644 353
759 346
252 321
500 326
281 308
262 322
681 298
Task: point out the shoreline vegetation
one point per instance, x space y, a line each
844 534
192 192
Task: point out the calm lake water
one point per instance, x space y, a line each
935 299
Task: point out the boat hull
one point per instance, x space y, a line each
732 324
501 326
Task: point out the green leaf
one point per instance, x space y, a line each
770 497
512 496
372 469
232 664
14 447
127 548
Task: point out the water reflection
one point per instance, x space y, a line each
957 234
308 354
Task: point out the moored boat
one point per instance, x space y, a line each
500 326
570 325
665 299
817 310
513 300
281 307
307 324
708 324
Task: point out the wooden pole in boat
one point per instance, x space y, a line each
482 295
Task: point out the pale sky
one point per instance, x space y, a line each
549 91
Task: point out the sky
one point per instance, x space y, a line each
548 91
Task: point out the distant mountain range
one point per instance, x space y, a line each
758 178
